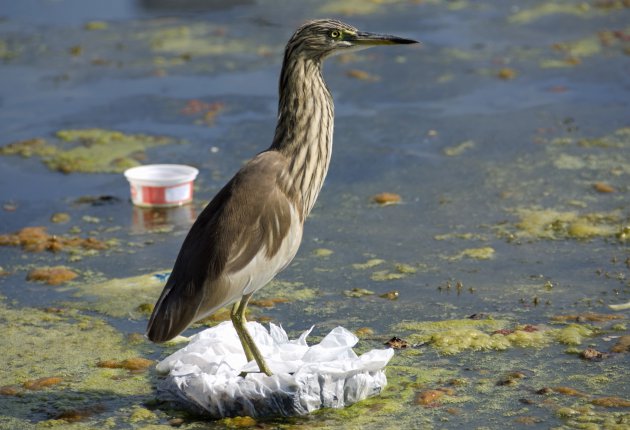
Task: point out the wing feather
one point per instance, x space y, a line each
249 216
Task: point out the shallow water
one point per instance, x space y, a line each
505 135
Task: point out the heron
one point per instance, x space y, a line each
252 228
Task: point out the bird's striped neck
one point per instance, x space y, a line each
305 128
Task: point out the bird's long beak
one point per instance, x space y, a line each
371 39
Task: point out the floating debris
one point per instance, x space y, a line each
362 75
95 25
269 303
611 402
620 307
602 187
591 354
60 218
364 332
568 391
506 74
397 343
36 239
9 390
134 364
41 383
52 275
390 295
386 199
428 397
358 292
459 149
79 414
622 345
206 113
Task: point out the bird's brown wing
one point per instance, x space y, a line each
249 216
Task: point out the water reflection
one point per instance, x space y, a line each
147 220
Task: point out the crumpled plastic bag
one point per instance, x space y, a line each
204 375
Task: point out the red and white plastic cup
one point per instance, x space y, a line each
161 185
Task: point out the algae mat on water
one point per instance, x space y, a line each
62 367
92 150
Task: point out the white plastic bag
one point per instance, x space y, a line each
204 375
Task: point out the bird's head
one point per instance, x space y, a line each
325 37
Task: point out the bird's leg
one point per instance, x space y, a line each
238 319
238 326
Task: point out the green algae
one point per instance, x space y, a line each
95 25
591 157
482 253
575 51
599 153
573 334
38 343
355 7
435 418
404 379
386 275
400 271
406 269
459 149
373 262
569 162
323 252
462 236
528 15
620 138
458 340
358 292
555 224
88 150
458 54
180 43
7 52
434 326
291 291
142 414
455 336
130 297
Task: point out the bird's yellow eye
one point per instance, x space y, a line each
335 34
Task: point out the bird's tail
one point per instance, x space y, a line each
174 311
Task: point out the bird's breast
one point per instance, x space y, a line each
262 268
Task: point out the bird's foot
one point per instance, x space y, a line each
244 374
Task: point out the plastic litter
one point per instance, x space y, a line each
205 375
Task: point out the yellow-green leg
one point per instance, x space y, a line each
239 329
249 346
